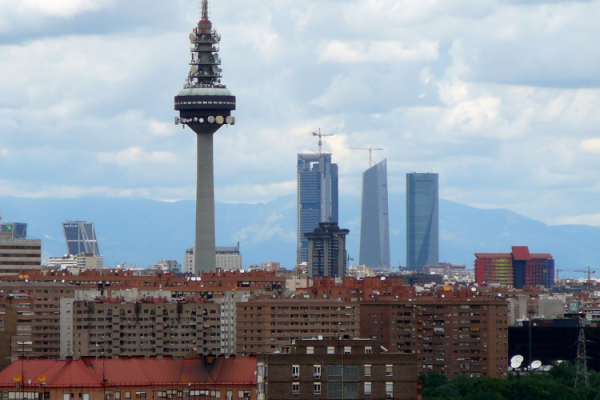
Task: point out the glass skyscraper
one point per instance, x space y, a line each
18 230
374 220
81 238
317 196
422 221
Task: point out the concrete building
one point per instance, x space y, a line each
374 220
91 378
452 332
110 327
266 324
81 238
317 196
422 221
204 105
167 266
337 369
229 258
519 268
78 262
327 250
18 254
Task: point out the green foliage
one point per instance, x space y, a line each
557 384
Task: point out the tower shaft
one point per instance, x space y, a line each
204 251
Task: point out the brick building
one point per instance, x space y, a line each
266 324
131 378
337 369
451 332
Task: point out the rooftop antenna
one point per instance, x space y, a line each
320 135
204 15
370 152
581 372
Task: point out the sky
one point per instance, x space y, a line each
500 98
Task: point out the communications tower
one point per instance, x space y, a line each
204 105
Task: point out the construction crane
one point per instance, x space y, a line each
370 152
589 272
558 271
320 135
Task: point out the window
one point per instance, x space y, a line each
317 371
317 387
347 350
66 396
388 370
295 387
117 395
389 389
229 395
310 350
367 370
295 371
367 387
330 350
368 350
140 395
127 395
240 394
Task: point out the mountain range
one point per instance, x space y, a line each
141 231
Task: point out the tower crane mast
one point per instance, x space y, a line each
320 135
370 149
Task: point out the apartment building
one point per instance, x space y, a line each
147 327
451 332
19 253
337 369
37 306
266 324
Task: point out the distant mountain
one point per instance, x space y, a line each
145 231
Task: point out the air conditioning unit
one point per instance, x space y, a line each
317 376
389 395
295 376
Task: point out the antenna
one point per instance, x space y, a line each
370 152
581 372
204 14
320 135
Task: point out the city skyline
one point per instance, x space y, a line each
439 98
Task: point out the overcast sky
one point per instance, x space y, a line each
501 98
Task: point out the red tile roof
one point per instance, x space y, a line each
89 372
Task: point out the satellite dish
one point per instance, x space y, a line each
220 119
211 119
320 337
516 361
447 288
26 276
42 378
17 378
20 276
518 358
192 37
193 69
536 364
473 289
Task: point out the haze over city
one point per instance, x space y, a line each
500 98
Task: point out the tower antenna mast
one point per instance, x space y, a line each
204 16
320 135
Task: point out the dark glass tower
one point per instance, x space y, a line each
422 221
205 105
81 238
374 221
317 196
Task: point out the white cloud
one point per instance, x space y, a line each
378 51
591 145
134 156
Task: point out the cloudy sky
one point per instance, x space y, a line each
501 98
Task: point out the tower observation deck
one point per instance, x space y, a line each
204 105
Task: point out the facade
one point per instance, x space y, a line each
519 269
37 308
229 258
17 230
422 221
93 378
451 332
348 369
317 196
267 324
327 250
374 220
82 262
81 238
18 254
168 266
111 327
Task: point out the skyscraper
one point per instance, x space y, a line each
81 238
327 250
422 221
374 219
317 196
18 230
204 105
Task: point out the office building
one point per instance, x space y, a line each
317 196
167 266
204 105
226 259
374 221
81 238
422 221
17 230
352 368
518 268
327 250
18 254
